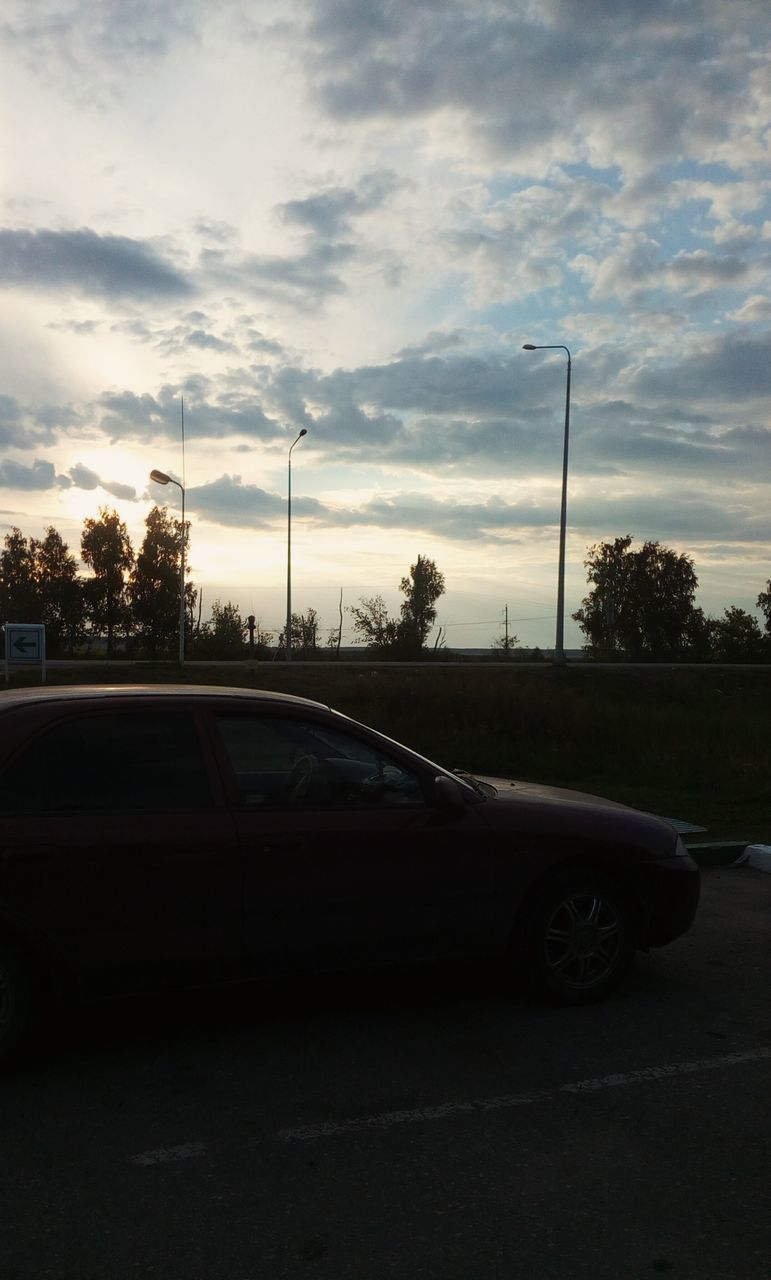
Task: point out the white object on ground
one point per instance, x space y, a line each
756 855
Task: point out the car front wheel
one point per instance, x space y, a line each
577 937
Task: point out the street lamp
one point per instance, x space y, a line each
288 636
160 477
559 644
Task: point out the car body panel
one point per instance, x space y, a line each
245 883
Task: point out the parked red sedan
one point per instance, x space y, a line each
166 834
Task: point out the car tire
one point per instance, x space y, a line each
576 937
19 1006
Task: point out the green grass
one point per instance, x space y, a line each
684 742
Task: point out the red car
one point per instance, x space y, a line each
166 834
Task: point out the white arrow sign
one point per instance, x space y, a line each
25 644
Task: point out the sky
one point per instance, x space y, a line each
348 218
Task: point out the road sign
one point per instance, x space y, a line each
25 645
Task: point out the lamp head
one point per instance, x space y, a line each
528 346
159 477
304 432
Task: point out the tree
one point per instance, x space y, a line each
224 635
764 604
641 604
61 592
106 549
39 583
305 633
372 623
20 599
736 637
153 591
422 588
335 637
505 644
404 637
700 636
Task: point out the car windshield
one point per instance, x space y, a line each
467 780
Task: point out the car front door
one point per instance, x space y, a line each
346 858
117 853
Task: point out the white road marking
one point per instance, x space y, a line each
619 1079
165 1155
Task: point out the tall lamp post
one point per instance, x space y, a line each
288 636
559 644
160 477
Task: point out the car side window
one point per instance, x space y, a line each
133 761
286 763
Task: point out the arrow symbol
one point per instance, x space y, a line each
23 644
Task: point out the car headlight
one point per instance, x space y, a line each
680 850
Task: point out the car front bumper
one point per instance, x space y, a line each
670 892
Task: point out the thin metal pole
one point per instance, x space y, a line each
288 634
559 643
182 585
559 648
182 550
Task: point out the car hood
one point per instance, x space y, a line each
578 810
510 788
513 789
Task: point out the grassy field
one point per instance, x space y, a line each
692 743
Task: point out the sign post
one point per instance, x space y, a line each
25 645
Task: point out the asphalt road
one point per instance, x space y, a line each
411 1127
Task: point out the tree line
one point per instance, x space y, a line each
640 606
131 601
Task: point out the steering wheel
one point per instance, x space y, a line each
300 777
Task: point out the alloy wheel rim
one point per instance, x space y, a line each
583 940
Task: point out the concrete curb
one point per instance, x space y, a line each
717 853
731 853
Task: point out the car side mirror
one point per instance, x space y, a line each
448 796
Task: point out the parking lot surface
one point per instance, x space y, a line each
410 1126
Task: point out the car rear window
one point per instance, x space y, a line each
117 761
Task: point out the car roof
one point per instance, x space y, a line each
14 698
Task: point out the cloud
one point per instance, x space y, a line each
126 414
228 501
314 273
521 244
330 213
109 267
11 421
726 370
125 491
492 521
470 413
22 427
14 475
638 85
754 311
328 245
88 50
181 338
82 477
